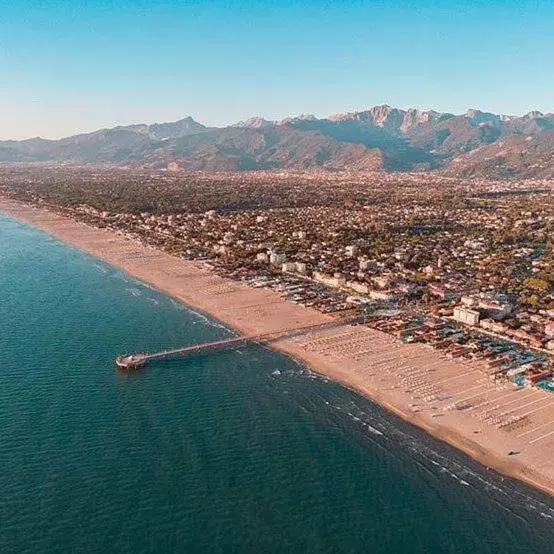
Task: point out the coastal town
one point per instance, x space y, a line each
432 296
277 277
464 266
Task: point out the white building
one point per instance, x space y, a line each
351 250
301 267
467 316
262 257
469 301
277 259
287 267
359 287
336 280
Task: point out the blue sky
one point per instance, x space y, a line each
73 66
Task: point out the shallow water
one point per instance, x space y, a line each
238 451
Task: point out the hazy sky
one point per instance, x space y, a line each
69 66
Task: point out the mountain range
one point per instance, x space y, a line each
476 143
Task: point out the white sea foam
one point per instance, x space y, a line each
373 430
207 320
100 268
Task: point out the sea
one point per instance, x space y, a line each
240 451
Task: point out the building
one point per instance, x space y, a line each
466 316
301 267
358 300
382 281
336 280
385 295
351 250
496 306
287 267
277 259
442 292
361 288
469 301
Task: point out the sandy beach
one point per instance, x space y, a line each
455 401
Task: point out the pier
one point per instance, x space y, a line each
136 361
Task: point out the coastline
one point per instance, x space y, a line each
365 360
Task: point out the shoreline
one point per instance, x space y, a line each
369 362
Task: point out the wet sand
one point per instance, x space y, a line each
455 401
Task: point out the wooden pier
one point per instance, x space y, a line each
135 361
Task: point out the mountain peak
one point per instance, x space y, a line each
297 119
478 117
347 116
256 122
534 114
182 128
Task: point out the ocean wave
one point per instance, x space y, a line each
101 268
177 305
509 494
207 320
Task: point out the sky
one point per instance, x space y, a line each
69 66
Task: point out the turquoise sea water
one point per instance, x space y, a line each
239 451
